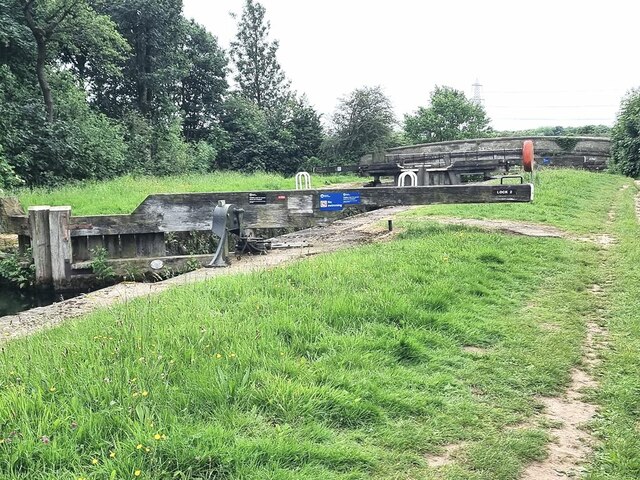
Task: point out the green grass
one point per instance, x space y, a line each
575 200
618 427
124 194
351 365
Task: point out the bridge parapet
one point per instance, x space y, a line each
596 148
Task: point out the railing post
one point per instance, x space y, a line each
40 243
61 250
303 177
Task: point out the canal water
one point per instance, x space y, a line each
13 301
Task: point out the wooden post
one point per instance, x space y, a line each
61 249
40 243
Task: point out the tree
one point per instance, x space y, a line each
362 123
155 30
247 143
259 75
56 23
625 136
202 88
449 116
295 133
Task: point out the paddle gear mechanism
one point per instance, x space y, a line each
227 219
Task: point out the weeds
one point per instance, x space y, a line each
101 269
18 269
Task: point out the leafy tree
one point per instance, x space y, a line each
362 123
295 133
93 51
79 143
625 136
58 23
246 141
204 84
259 75
449 116
16 40
155 31
306 129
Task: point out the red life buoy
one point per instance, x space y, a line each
527 155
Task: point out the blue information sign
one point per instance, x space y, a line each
331 202
351 198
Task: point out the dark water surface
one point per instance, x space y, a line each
14 300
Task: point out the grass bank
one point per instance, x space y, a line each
618 426
124 194
353 365
575 200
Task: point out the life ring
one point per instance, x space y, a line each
527 155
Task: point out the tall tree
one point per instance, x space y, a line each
259 74
449 116
295 133
362 123
54 23
204 84
625 136
155 31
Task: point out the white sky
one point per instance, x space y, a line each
542 62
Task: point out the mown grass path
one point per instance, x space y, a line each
365 363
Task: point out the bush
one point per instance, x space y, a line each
8 177
157 148
79 144
625 137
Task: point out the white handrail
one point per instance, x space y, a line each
411 175
303 177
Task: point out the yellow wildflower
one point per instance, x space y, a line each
112 454
147 449
145 393
157 436
52 389
137 473
138 446
135 394
218 355
94 461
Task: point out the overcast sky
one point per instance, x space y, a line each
544 62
